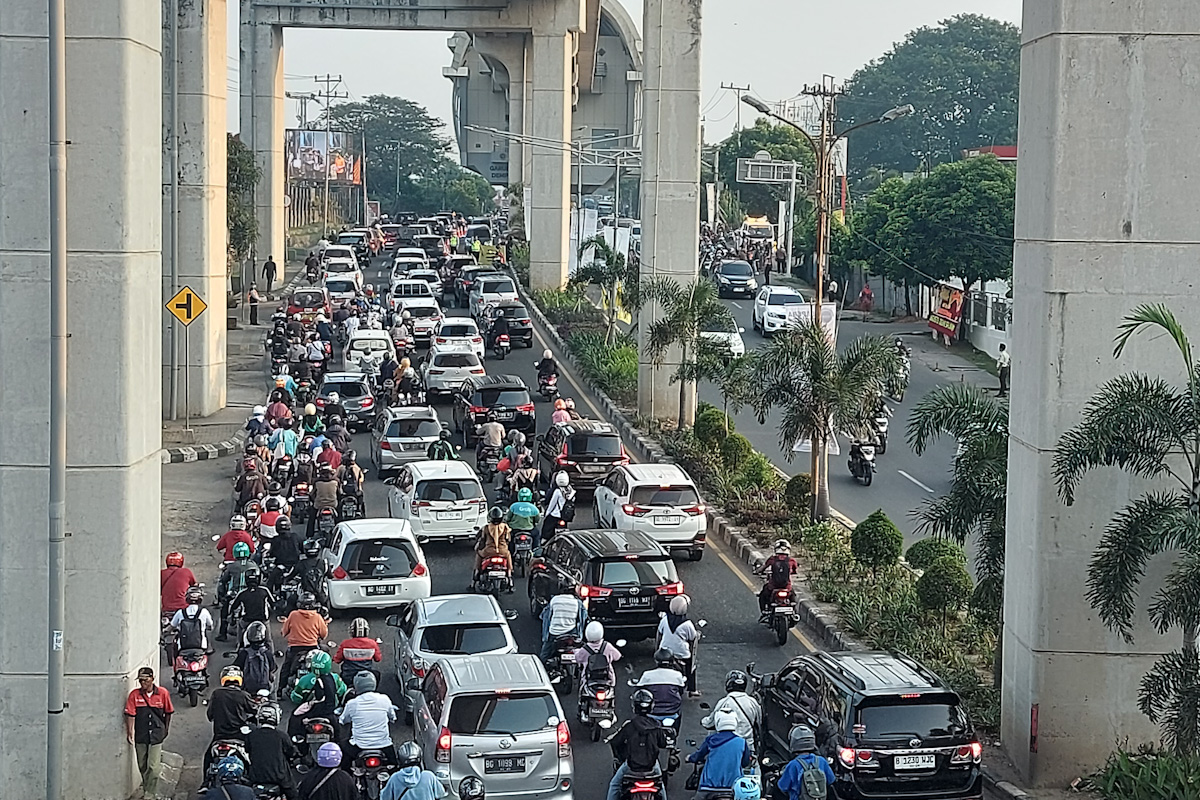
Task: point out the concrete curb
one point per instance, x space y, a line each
203 452
1003 788
168 777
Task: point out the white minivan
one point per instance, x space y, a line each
659 500
440 499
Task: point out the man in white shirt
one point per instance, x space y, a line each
352 322
368 714
1003 363
199 623
564 615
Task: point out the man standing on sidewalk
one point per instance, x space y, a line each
1003 364
148 713
253 298
269 270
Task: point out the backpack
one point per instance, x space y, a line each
596 669
191 632
812 781
257 672
781 573
568 510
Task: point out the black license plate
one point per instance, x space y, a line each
634 602
506 415
375 591
314 738
504 765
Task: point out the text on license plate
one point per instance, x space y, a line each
449 515
671 520
921 761
634 602
376 591
506 415
504 764
593 467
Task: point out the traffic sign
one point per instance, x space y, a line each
756 170
186 305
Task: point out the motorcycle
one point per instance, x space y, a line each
252 511
189 668
304 392
404 347
898 382
561 667
341 334
348 508
881 428
486 462
597 707
278 363
492 577
642 787
326 521
301 502
315 731
281 470
370 771
781 614
502 345
225 748
862 462
548 387
522 551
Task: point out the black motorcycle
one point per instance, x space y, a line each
522 551
561 666
370 771
492 577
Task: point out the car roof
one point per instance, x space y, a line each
510 303
359 529
413 412
448 609
878 672
490 381
369 333
511 671
343 377
658 474
604 543
427 300
460 321
457 470
587 426
783 290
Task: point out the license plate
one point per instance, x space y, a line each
375 591
507 764
506 415
592 467
449 515
318 737
496 573
922 761
783 609
634 602
522 546
672 520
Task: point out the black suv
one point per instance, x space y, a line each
889 726
584 449
625 576
507 395
520 326
734 277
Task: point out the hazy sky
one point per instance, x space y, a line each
776 49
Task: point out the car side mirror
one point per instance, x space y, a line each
413 684
389 481
393 621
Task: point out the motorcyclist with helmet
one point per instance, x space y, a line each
665 683
303 629
560 506
637 743
228 775
522 475
194 612
359 652
328 781
253 603
324 495
271 752
275 491
320 686
173 582
777 571
333 407
337 433
250 485
494 540
231 583
256 651
313 570
262 449
285 549
546 367
350 480
560 412
407 385
491 437
569 405
257 424
330 454
802 743
523 516
564 616
498 328
272 511
595 645
230 710
311 423
368 714
442 449
412 782
724 757
741 705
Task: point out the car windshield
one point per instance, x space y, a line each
637 572
785 299
428 277
664 496
513 312
738 269
448 490
338 252
720 325
340 266
421 311
479 232
594 444
505 397
351 238
339 287
308 299
502 714
497 287
346 389
382 558
463 640
456 360
413 429
920 720
457 330
368 346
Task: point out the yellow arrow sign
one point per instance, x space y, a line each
186 305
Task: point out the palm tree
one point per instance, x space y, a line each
820 390
684 310
607 270
1150 429
732 375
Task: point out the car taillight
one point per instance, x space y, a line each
442 753
418 666
416 504
564 740
586 591
477 371
967 753
320 401
478 340
634 511
437 371
373 761
385 445
419 570
695 510
671 588
441 340
478 409
524 321
367 402
865 757
340 574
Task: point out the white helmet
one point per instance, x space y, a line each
310 410
322 318
334 398
594 632
260 411
237 523
405 315
547 354
679 604
561 480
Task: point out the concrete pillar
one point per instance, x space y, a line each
547 227
201 211
516 114
1103 224
670 198
261 126
115 314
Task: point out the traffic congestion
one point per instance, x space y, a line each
445 575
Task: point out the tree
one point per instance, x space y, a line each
732 375
242 175
819 389
876 542
784 143
684 311
880 236
1149 428
963 79
606 271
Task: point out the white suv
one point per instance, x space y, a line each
775 308
439 499
659 500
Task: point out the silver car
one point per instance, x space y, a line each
496 718
401 435
444 627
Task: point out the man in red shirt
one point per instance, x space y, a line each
330 455
237 533
357 653
148 713
173 583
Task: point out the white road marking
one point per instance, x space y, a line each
914 480
736 303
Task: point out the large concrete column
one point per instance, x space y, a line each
510 50
670 198
261 126
1107 167
115 313
201 209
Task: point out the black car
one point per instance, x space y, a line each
433 245
507 395
584 449
888 725
625 576
520 326
734 278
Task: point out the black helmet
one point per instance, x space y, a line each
307 601
802 740
495 515
350 456
445 434
249 448
256 634
736 681
408 755
643 702
335 420
662 656
311 547
274 488
470 788
283 525
273 504
253 579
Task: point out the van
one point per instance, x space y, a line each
439 499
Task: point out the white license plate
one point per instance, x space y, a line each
375 591
672 520
783 609
592 467
449 515
922 761
567 658
496 573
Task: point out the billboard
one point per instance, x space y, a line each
947 310
310 154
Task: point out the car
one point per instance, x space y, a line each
775 308
496 718
888 725
359 241
309 301
458 332
626 578
490 290
726 334
391 232
424 314
343 287
734 278
658 500
520 326
408 233
403 289
507 395
433 245
441 500
446 627
369 344
401 435
584 449
411 252
342 268
445 369
466 280
355 396
375 563
479 232
401 267
430 276
339 252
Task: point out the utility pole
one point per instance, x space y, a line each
328 95
304 99
738 92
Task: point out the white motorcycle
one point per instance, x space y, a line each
862 462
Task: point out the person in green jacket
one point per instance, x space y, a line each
523 515
321 687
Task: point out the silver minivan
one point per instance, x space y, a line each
495 717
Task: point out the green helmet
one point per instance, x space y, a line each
241 550
319 663
525 495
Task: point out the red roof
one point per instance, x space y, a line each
1004 152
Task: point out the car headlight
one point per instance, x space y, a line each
753 284
774 315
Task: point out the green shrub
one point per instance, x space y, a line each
710 427
945 587
876 542
756 507
702 406
735 450
613 368
822 540
798 495
1148 774
923 553
757 472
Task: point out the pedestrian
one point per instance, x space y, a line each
253 298
148 713
781 262
269 270
1003 364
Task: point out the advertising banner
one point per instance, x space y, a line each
310 154
947 310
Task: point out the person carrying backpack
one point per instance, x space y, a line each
724 755
636 744
778 571
192 623
254 603
256 660
807 776
596 657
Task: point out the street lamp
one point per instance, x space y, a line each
397 201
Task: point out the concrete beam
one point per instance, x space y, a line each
670 199
115 314
262 124
1107 106
202 219
496 16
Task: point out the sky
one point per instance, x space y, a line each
775 50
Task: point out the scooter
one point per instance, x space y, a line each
561 667
502 345
348 508
881 428
548 387
486 462
370 771
326 521
315 731
301 502
493 577
862 462
189 670
522 551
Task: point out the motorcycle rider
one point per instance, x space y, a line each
387 369
407 386
256 659
313 571
254 603
522 474
192 624
303 629
546 367
570 406
724 755
278 410
742 706
679 637
412 782
442 449
803 746
257 424
564 616
636 744
665 684
595 648
275 492
173 583
491 436
271 752
311 422
493 540
359 652
231 583
350 478
285 549
263 451
368 713
229 710
499 327
306 469
286 438
270 515
227 780
322 688
328 781
333 408
330 455
523 516
324 329
250 485
560 412
777 571
560 508
324 495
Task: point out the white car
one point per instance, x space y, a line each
429 276
339 252
438 499
425 314
658 500
410 254
343 287
367 344
775 308
445 369
375 563
726 334
341 268
403 289
491 289
458 332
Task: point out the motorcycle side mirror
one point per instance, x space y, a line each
214 537
690 742
741 330
389 482
413 684
510 613
263 693
705 707
332 645
393 621
620 643
244 729
201 585
702 623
